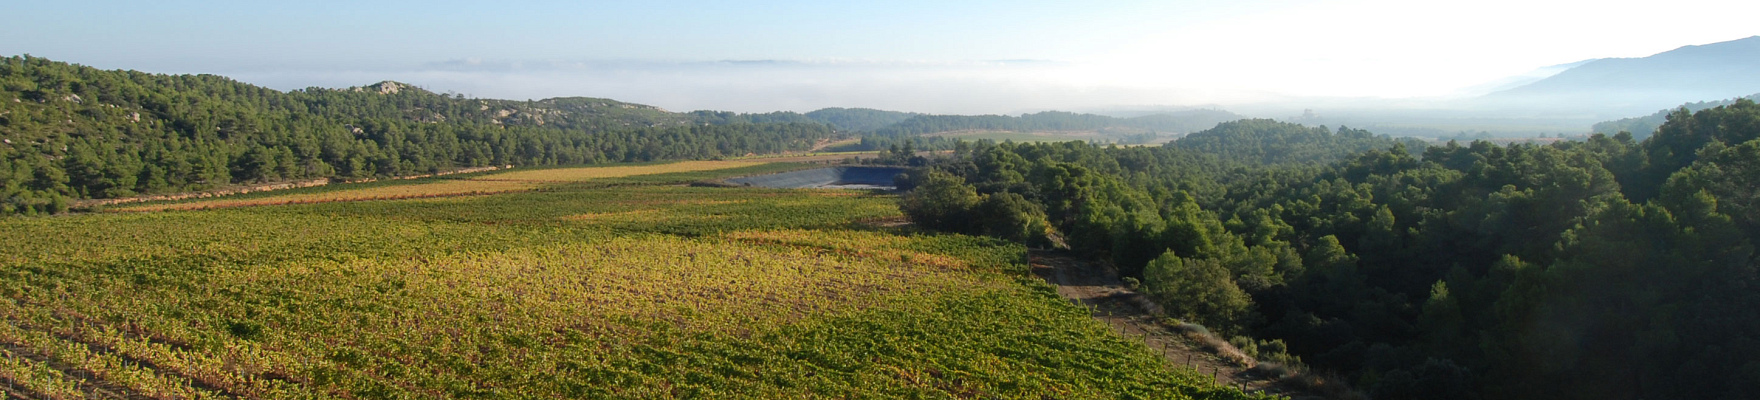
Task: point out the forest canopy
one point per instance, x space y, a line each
1601 269
1642 127
74 132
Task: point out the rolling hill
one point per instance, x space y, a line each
71 132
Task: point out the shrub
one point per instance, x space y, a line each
942 202
1197 290
1012 217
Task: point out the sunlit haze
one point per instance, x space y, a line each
971 57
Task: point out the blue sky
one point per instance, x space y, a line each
916 55
248 34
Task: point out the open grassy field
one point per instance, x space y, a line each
632 290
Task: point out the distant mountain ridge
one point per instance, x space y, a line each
591 112
1169 123
844 119
1523 79
896 123
1710 71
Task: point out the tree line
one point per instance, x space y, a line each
1641 127
71 132
1601 269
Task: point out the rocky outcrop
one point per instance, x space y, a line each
386 87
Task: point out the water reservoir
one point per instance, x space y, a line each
826 178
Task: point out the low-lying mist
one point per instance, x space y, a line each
977 87
1500 108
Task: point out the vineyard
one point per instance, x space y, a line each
477 184
605 282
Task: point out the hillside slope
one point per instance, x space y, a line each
1265 141
73 132
1478 271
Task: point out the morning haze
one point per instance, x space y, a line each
911 56
1221 200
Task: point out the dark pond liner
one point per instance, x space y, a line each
826 178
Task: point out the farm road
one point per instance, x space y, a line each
1099 289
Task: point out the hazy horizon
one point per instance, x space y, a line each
969 58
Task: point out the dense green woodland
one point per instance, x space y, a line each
1598 269
1264 141
1641 127
74 132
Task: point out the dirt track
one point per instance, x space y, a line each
1099 289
